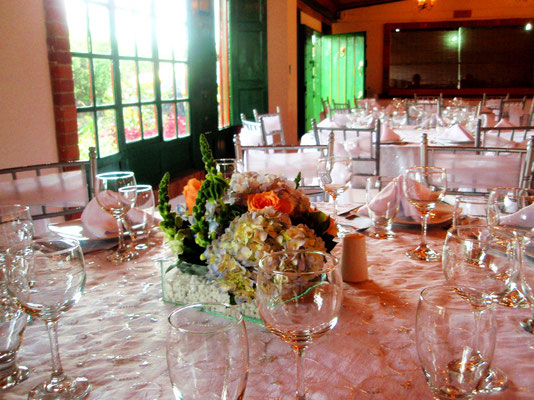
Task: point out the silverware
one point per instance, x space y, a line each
351 211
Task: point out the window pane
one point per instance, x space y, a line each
103 84
150 129
107 133
86 134
128 81
165 40
99 26
166 81
180 71
169 121
139 5
180 43
132 125
146 80
125 25
183 119
144 36
77 22
82 82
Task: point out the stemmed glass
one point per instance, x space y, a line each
485 259
139 220
207 352
335 174
424 187
46 278
116 193
455 342
382 204
513 209
299 295
15 227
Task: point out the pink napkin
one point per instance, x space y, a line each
456 133
393 192
101 224
389 135
523 218
504 123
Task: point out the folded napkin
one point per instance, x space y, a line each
394 192
523 218
389 135
456 133
486 110
103 225
504 123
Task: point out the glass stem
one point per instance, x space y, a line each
57 369
334 197
424 224
121 234
299 353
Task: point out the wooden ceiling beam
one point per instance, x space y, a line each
330 9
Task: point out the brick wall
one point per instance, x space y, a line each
60 61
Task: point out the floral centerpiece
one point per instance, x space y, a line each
228 225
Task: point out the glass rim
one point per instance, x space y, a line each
504 190
425 168
472 199
324 158
326 269
236 321
16 210
73 244
225 160
424 296
453 232
115 175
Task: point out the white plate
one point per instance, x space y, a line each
442 215
75 230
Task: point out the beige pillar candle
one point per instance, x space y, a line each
354 258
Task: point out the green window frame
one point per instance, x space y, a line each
130 67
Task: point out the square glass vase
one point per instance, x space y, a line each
180 288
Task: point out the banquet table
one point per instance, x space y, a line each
115 335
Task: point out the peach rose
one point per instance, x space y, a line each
191 192
258 201
332 229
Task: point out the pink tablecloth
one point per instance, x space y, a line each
115 336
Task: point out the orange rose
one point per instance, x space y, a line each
191 192
332 229
258 201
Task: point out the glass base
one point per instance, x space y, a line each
380 233
18 375
423 253
122 256
495 381
66 389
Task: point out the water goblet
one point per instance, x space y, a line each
299 295
382 204
455 341
424 187
470 210
15 227
46 278
226 166
513 208
485 259
116 193
207 352
140 219
334 175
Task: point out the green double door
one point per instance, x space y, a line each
334 68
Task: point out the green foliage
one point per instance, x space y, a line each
297 180
319 222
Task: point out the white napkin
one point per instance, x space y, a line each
504 123
388 194
523 218
389 135
358 147
456 133
101 224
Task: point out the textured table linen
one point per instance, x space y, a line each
115 336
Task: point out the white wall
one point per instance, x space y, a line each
27 129
372 20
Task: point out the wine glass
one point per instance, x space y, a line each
139 220
382 204
513 208
299 295
207 352
485 259
15 227
226 166
46 278
116 193
334 175
424 187
455 341
470 210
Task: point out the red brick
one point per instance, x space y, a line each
55 29
55 12
66 140
63 57
58 44
62 85
64 98
68 153
61 71
66 127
